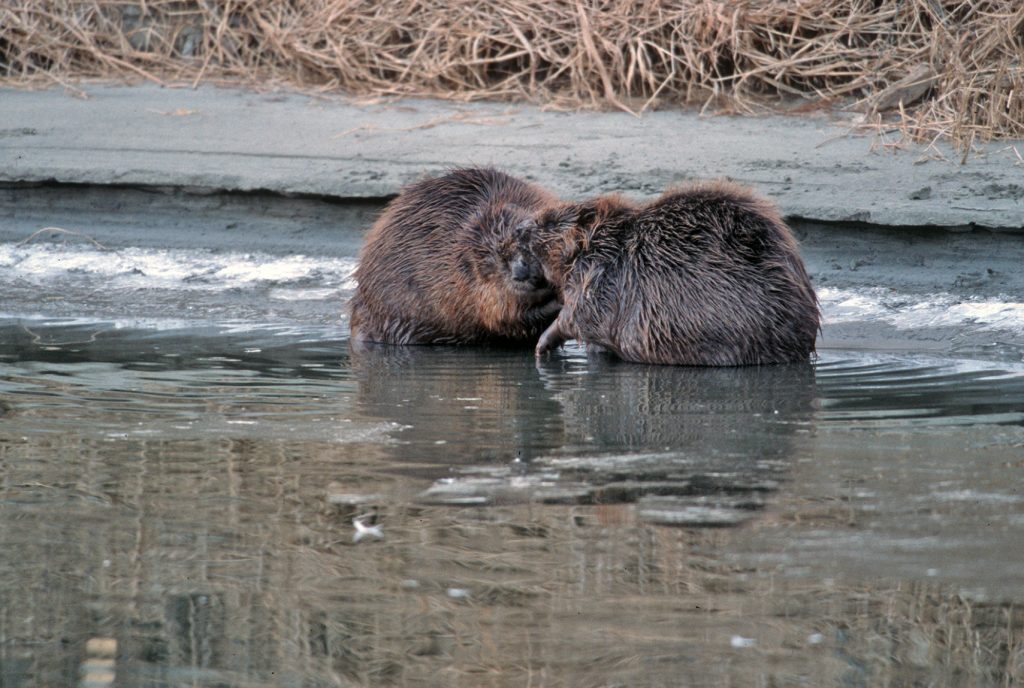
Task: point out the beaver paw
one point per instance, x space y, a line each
551 339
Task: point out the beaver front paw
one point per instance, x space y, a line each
552 338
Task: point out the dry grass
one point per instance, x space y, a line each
931 68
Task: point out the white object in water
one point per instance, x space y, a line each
363 530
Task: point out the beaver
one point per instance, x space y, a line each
708 274
448 263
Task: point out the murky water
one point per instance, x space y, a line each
203 486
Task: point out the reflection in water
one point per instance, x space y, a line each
745 413
521 409
198 508
457 405
556 431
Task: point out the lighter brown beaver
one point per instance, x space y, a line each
708 274
448 262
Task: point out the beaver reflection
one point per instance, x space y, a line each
457 405
751 412
471 405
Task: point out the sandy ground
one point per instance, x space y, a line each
222 139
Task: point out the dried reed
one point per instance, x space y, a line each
929 68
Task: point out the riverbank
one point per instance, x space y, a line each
216 139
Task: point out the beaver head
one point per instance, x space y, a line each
559 235
503 253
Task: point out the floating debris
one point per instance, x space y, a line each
364 531
739 641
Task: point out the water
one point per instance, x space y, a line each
187 445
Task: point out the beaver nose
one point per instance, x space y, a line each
520 269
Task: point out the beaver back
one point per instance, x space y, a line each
707 274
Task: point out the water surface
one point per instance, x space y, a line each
186 442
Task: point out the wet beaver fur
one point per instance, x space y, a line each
448 263
707 274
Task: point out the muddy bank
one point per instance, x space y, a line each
170 217
222 139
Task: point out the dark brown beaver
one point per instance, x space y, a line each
448 263
707 274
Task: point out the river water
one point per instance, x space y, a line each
203 486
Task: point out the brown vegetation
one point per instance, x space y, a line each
948 68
